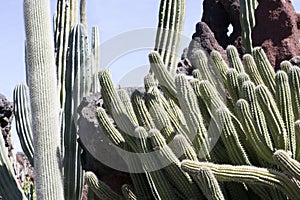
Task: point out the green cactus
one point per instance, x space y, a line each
100 188
128 192
22 112
247 174
247 21
294 81
44 105
265 68
170 27
284 103
234 59
285 66
251 69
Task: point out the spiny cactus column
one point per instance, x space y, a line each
44 104
23 119
170 27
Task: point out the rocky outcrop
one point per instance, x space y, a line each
277 27
6 117
277 30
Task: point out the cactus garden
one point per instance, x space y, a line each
220 123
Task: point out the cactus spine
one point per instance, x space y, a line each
45 105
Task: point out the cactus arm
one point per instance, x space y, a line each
83 19
259 120
201 63
113 134
251 69
273 117
258 143
242 77
189 106
128 193
22 113
124 97
230 137
232 84
182 148
234 59
248 175
219 64
284 104
294 81
297 133
100 188
247 20
143 116
181 181
285 66
209 184
44 104
149 82
265 68
289 165
95 50
163 76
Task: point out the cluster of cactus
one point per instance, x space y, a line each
46 123
229 132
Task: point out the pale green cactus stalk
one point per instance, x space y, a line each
100 188
170 27
251 69
209 184
247 174
181 181
294 81
182 148
234 59
9 186
124 97
273 117
289 165
258 116
285 66
112 133
247 21
233 84
22 113
297 133
284 104
189 106
95 53
230 137
164 77
149 82
257 140
242 77
143 116
220 64
201 63
265 68
44 105
128 193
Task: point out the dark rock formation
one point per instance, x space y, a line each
277 30
218 15
6 117
203 38
277 27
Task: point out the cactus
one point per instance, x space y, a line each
44 105
247 21
170 28
23 119
100 188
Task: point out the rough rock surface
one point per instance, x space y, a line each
6 117
203 38
277 30
277 27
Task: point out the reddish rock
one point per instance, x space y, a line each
277 30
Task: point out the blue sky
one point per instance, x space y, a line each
113 17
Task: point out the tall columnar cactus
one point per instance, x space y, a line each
170 28
23 119
247 21
44 105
